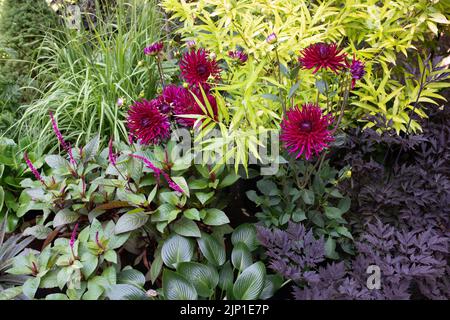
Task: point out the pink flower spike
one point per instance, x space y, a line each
63 143
73 236
149 164
172 184
32 168
112 157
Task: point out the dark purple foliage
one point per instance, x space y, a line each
410 263
293 251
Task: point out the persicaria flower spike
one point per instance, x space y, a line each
158 172
197 67
73 237
272 38
154 49
305 131
147 123
111 155
32 168
322 56
357 70
63 143
239 56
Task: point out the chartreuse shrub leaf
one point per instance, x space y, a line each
176 249
177 287
203 277
250 283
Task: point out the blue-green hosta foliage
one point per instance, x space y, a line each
315 201
213 274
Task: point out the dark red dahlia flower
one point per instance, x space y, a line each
187 105
147 123
238 56
196 67
322 56
305 131
169 98
154 49
356 69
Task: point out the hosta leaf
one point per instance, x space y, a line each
131 276
203 277
176 249
245 233
212 249
250 283
125 292
177 287
241 256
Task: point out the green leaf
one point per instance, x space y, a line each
241 256
226 277
333 213
204 278
344 204
131 276
307 196
89 262
271 285
344 231
38 231
181 182
298 215
125 292
130 221
204 197
177 287
215 217
330 248
56 296
156 267
322 86
229 180
212 249
56 161
30 287
186 227
91 148
10 293
267 187
65 216
245 233
250 282
192 214
110 256
169 197
176 249
2 197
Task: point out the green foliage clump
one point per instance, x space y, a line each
23 25
95 68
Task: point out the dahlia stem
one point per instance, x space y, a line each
161 76
279 80
344 103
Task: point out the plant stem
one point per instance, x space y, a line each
161 76
283 104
